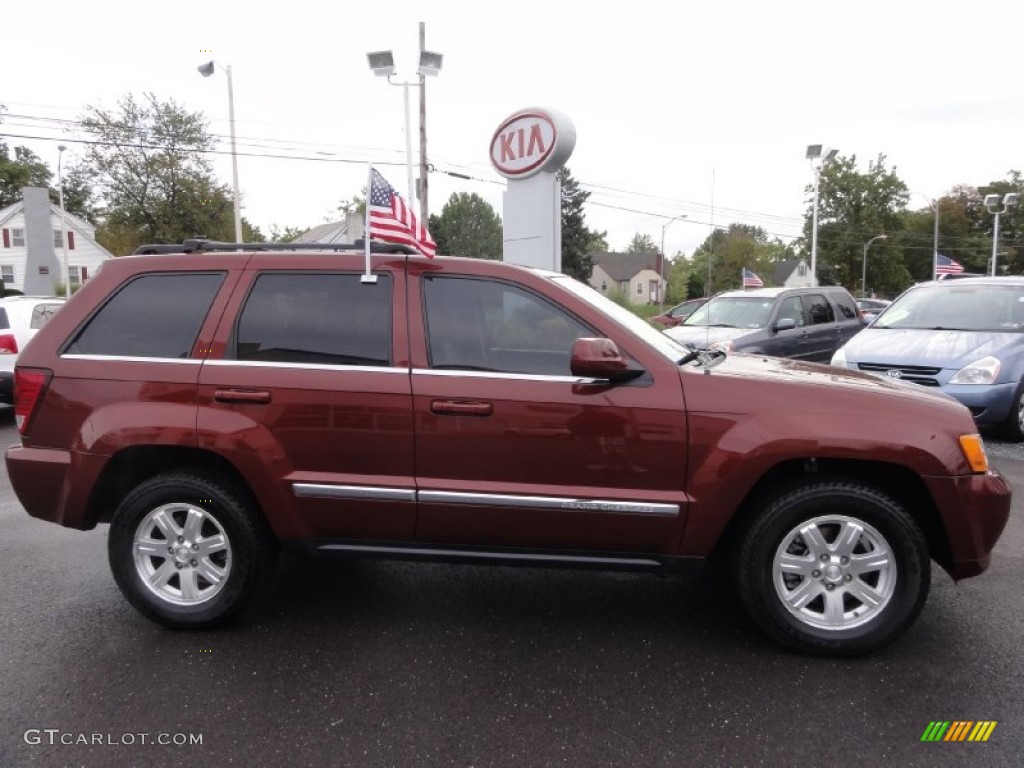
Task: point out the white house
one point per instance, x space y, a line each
31 255
794 274
634 275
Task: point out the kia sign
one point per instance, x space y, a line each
531 141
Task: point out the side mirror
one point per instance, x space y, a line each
600 359
785 324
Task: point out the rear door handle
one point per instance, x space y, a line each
461 408
258 396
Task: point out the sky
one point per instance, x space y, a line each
680 109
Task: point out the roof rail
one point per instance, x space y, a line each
197 244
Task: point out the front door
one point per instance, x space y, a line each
512 450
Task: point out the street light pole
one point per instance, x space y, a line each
992 203
814 154
206 70
663 288
63 221
864 265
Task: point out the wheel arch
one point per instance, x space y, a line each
901 483
133 465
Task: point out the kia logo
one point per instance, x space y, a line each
894 374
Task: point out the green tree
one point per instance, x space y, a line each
153 175
740 246
853 208
467 226
279 234
642 243
357 204
23 169
578 242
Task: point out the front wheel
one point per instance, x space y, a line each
1012 428
833 569
188 551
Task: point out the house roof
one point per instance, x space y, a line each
784 269
79 225
623 266
331 232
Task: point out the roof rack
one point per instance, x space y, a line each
198 244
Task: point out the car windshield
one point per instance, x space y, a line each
734 312
655 338
957 307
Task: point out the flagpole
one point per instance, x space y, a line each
368 276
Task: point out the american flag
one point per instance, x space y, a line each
750 280
946 266
392 221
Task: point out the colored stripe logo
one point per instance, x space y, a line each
958 730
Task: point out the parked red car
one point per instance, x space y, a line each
215 406
678 313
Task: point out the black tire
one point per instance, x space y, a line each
1011 429
900 582
245 564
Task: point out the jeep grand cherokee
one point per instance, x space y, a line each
213 407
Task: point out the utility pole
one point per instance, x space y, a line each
424 207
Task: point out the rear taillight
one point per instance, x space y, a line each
8 344
29 385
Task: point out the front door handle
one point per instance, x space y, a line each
257 396
461 408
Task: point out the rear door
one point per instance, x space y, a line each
848 320
821 331
311 397
514 451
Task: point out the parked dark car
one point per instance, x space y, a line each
678 313
963 337
216 406
802 323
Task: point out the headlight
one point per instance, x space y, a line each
983 371
839 358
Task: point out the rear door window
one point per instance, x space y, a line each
156 315
327 319
845 305
818 309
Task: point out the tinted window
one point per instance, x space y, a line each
818 310
152 316
329 319
846 306
4 322
492 326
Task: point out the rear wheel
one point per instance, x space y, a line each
187 551
833 569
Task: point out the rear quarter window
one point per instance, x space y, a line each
157 315
41 314
845 305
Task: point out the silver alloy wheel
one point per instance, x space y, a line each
182 554
834 572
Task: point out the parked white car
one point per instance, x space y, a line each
20 318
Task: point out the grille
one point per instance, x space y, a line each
917 374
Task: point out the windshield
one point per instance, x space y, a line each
961 308
623 316
734 312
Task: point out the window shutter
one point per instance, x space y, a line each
71 240
7 238
85 274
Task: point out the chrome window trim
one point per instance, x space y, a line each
559 503
490 555
507 376
372 493
309 366
133 359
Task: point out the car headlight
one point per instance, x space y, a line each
983 371
839 358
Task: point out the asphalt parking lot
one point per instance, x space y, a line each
381 664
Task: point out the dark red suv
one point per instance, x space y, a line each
215 406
